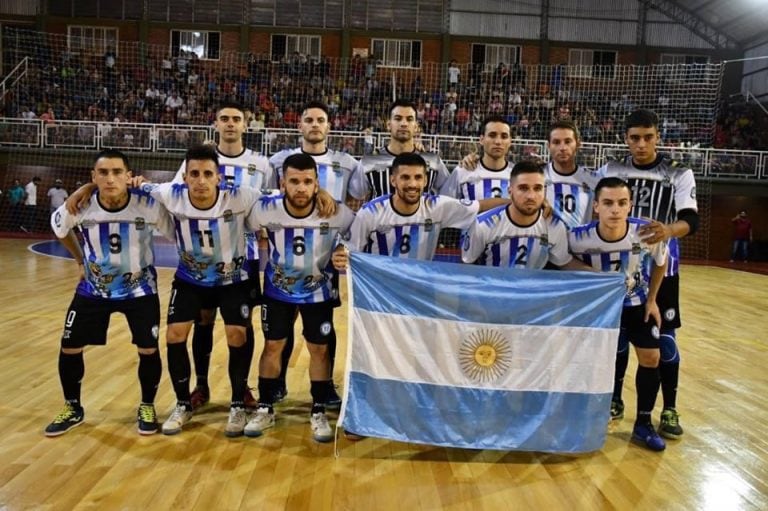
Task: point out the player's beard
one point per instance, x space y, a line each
300 201
527 208
409 196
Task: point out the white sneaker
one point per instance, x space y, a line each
321 430
261 420
179 416
236 422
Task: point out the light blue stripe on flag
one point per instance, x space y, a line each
479 357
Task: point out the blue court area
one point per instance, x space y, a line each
165 253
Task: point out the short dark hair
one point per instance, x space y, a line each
202 152
527 167
641 119
316 104
230 104
112 153
564 125
611 182
490 119
300 161
408 159
402 102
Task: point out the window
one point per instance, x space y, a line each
396 52
491 55
285 45
206 45
91 39
591 63
675 58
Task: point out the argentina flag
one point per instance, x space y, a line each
480 357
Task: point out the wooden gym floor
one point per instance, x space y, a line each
720 463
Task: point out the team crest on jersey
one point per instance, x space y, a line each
585 188
667 181
336 167
324 227
544 240
485 355
227 215
251 169
428 225
636 248
57 219
466 202
140 223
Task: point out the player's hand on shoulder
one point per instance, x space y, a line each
654 232
137 181
546 208
326 204
471 160
79 199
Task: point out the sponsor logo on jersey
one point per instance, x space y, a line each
227 215
428 225
251 169
336 167
140 223
324 228
636 248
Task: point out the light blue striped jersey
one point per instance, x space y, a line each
481 183
117 245
496 240
338 173
210 242
380 229
571 196
629 255
298 267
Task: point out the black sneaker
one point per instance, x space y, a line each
70 417
147 419
669 427
617 410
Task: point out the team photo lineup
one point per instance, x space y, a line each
310 209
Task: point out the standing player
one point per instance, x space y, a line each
298 279
240 167
664 191
492 178
210 227
111 241
403 127
569 186
615 243
341 176
518 235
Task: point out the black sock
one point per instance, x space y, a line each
267 387
202 346
622 360
71 371
150 370
670 374
647 382
238 370
179 369
286 356
250 346
332 350
319 390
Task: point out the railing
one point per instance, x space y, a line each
11 79
720 164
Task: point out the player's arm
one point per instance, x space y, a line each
654 231
62 223
657 276
575 265
474 243
471 160
493 202
79 198
326 204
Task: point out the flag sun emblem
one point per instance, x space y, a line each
485 355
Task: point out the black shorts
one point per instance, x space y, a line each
232 301
254 279
643 334
277 319
87 321
668 301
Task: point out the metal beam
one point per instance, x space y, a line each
741 17
672 9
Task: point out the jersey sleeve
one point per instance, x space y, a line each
474 242
451 186
358 186
442 176
179 177
62 221
558 239
165 224
458 214
360 229
685 191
